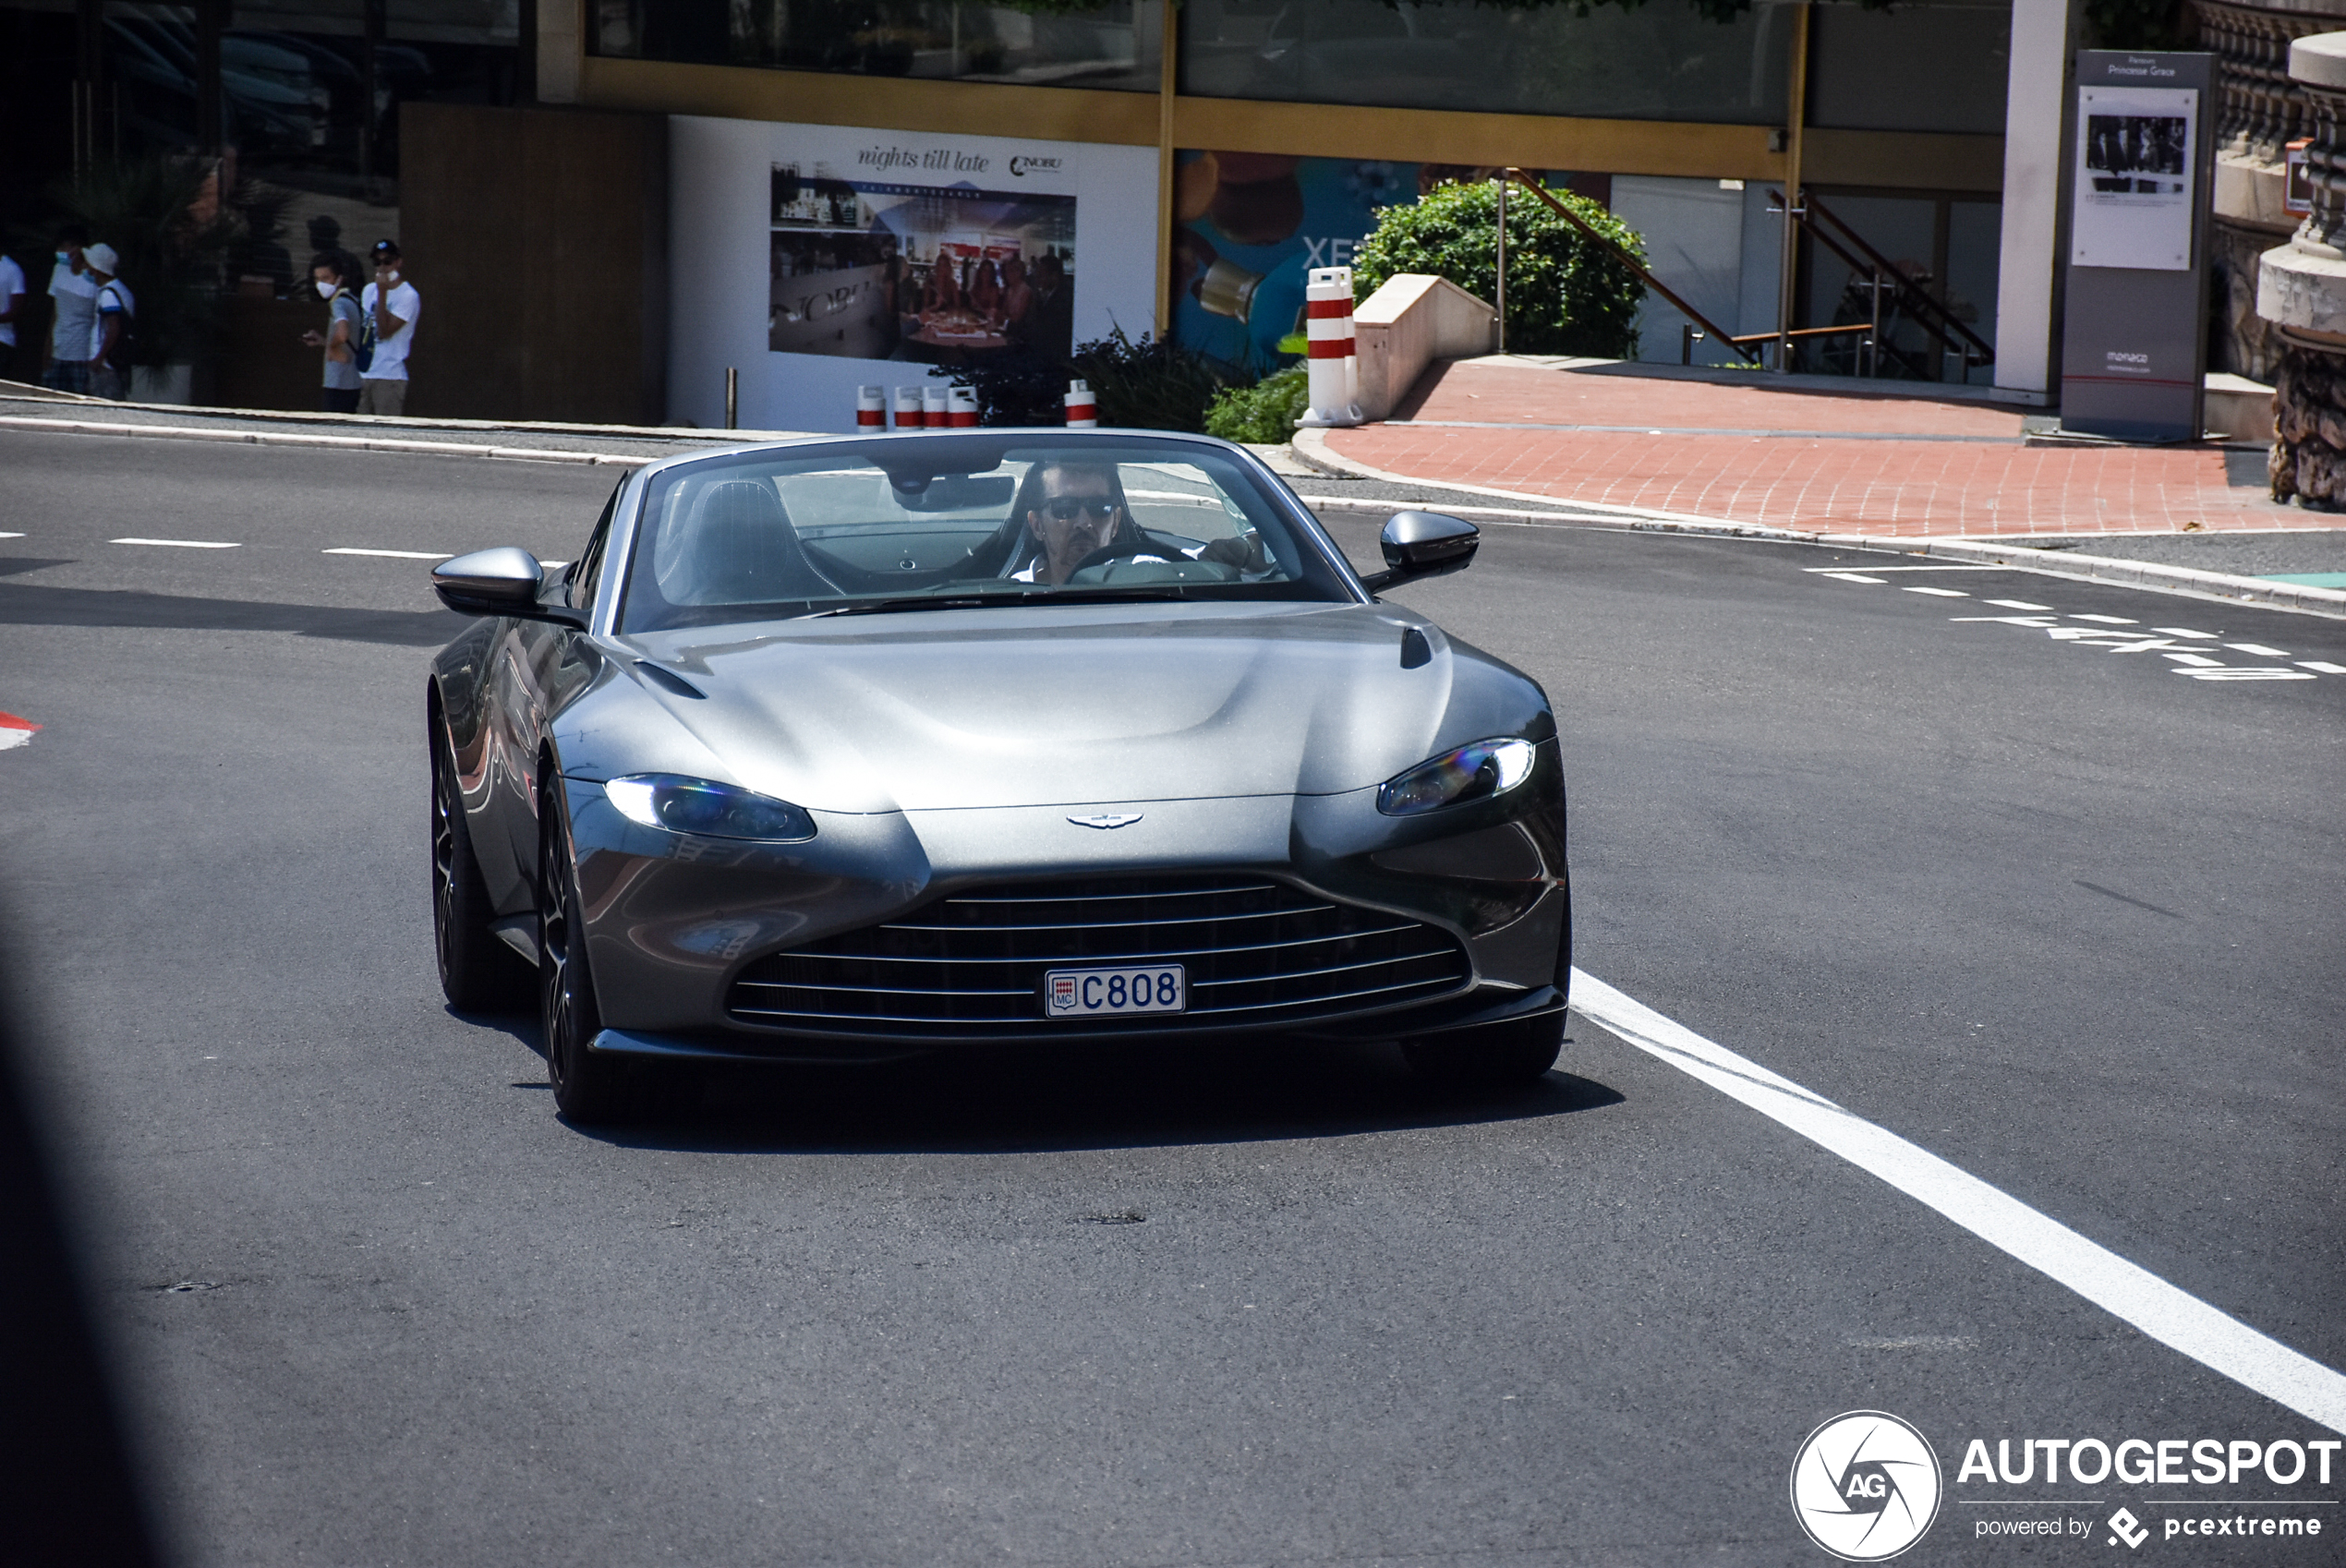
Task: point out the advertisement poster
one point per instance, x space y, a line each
931 254
2134 174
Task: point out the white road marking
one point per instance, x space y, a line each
2173 1317
1856 577
2195 660
1829 571
11 738
11 536
181 544
1943 592
2184 631
394 554
2106 620
2259 649
2020 604
2325 668
2261 672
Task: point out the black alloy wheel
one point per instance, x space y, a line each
588 1087
478 972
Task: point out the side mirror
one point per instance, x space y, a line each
1423 544
503 581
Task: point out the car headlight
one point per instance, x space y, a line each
708 809
1473 772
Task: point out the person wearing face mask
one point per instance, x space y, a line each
390 306
332 272
72 292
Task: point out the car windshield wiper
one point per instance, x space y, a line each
984 601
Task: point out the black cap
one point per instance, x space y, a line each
385 248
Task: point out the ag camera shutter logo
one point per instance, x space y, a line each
1866 1486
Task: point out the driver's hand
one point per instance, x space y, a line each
1243 551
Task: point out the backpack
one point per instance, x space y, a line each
362 348
125 341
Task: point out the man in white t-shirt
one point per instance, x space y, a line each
110 332
74 293
391 305
12 303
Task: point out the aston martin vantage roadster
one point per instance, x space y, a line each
854 749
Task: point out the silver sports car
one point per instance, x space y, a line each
859 748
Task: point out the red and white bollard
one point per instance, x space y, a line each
1333 374
908 408
871 408
934 408
1082 407
961 410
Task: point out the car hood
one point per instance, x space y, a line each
1063 705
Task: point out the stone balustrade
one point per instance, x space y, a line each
2301 294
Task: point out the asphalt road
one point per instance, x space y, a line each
2064 915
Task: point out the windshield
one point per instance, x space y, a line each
935 522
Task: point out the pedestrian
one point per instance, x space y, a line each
111 333
73 293
334 271
12 302
390 305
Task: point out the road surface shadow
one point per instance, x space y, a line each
1030 1100
29 605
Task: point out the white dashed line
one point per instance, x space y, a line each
2021 604
2259 649
2183 632
394 554
1943 592
2316 664
2195 660
2106 620
180 543
2235 673
1856 577
2173 1317
1830 571
11 536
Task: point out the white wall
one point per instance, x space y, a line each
720 174
1693 231
2044 39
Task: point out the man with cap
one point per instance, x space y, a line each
391 305
109 332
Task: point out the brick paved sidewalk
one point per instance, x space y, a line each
1798 458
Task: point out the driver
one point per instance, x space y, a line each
1079 510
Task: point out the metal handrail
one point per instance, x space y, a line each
1882 266
1656 284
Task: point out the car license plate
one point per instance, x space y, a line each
1128 988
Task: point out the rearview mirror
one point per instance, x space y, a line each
1423 544
503 581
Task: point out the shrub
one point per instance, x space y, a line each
1565 294
1264 413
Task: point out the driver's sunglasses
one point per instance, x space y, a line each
1067 509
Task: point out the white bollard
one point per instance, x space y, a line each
871 408
1082 407
933 407
962 411
1334 372
908 409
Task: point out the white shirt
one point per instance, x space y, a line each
77 297
112 298
390 363
12 294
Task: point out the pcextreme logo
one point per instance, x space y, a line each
1866 1486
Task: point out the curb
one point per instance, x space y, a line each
1310 448
342 443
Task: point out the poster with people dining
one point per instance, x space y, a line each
867 263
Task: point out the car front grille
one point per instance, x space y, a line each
971 965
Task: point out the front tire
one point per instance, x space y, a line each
588 1087
478 972
1499 1056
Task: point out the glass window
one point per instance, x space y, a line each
1658 62
1938 66
1117 46
950 521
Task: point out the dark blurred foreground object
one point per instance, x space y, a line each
68 1495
